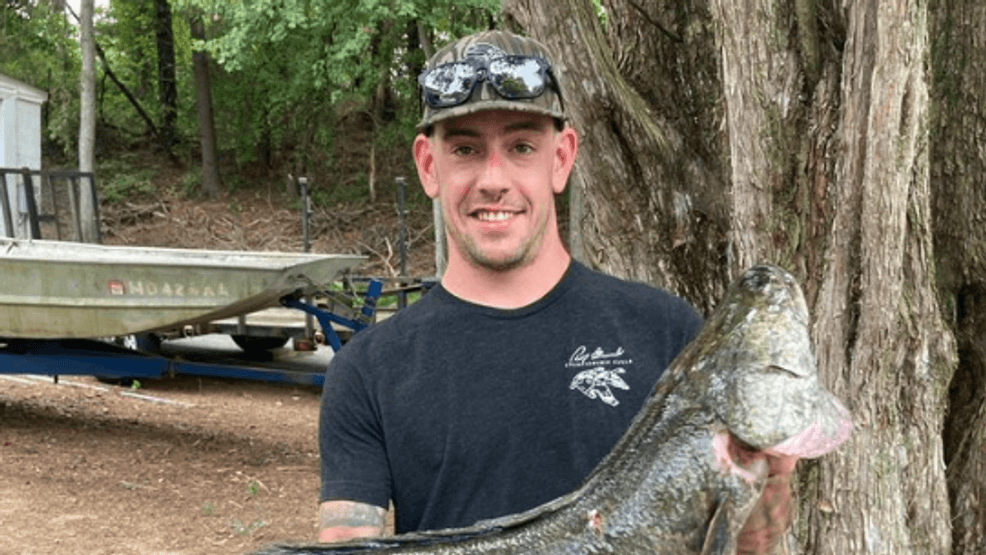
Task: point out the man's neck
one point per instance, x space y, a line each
509 289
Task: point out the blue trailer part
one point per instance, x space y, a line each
326 318
77 357
102 360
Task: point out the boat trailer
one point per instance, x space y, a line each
186 349
110 361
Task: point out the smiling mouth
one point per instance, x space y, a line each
493 215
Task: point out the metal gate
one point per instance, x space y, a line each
47 204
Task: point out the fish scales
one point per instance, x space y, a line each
673 483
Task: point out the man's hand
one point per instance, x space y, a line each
346 520
773 513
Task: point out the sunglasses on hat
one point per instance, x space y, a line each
512 77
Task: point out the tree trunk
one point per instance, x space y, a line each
87 120
879 334
631 162
718 133
167 81
958 171
207 128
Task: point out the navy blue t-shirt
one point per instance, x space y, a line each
459 412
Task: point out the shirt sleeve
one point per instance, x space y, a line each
353 457
691 323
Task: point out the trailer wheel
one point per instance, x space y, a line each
254 344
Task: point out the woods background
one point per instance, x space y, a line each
844 140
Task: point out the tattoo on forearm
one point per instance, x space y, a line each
353 515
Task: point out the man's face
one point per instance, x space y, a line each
496 174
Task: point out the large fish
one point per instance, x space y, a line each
673 484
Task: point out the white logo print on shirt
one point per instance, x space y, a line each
598 381
595 383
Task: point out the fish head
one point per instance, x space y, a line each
761 372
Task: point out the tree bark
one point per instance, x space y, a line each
87 119
167 80
719 133
207 128
879 334
631 163
958 170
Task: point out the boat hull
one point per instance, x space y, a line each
53 289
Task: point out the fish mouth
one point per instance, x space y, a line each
831 427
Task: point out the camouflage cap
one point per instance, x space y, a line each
488 45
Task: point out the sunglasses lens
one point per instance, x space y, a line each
449 84
513 77
517 77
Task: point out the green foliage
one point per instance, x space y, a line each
128 37
600 12
120 179
190 184
38 47
292 70
291 80
123 187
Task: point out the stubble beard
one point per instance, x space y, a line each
522 256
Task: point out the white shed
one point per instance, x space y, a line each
20 139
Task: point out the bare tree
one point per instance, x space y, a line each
87 116
716 134
207 128
167 80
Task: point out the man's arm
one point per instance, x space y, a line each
773 513
346 520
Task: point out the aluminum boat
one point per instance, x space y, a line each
55 289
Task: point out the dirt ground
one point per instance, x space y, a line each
182 465
186 466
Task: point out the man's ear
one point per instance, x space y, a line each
424 159
566 149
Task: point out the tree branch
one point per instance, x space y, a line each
126 92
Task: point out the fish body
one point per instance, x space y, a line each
673 483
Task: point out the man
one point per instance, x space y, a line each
504 386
